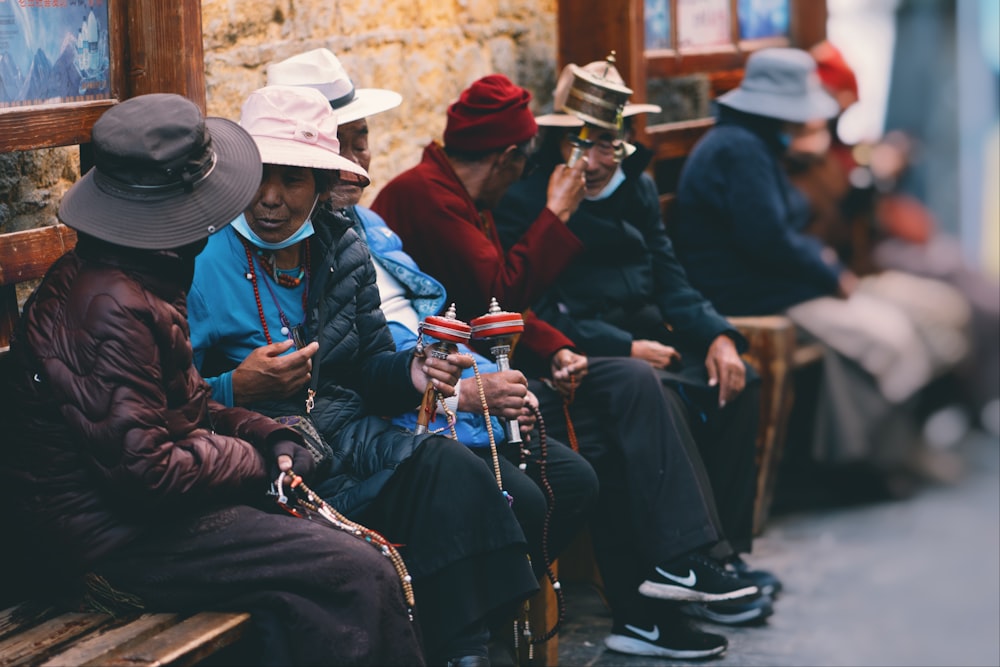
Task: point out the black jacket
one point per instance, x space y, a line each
627 283
361 376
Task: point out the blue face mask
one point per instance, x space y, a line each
242 228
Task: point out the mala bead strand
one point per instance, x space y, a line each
550 496
308 499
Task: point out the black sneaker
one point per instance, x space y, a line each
696 578
765 581
674 639
751 611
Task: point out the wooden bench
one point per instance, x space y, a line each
34 633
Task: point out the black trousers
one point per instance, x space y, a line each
725 440
316 594
573 484
460 540
656 502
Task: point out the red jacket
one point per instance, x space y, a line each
451 240
111 432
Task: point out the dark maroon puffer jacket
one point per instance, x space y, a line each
110 430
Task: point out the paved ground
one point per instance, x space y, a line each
914 582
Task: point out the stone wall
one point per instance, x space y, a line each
427 50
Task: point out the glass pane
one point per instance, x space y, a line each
656 15
763 18
702 23
681 97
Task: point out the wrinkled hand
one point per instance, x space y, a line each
268 373
442 373
568 369
566 189
526 420
505 392
656 353
293 456
725 368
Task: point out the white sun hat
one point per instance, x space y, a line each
295 126
322 70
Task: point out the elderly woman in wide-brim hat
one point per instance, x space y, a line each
115 460
285 317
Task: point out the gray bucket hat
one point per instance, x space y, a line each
782 83
164 176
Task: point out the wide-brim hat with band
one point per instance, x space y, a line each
594 94
782 83
295 126
322 70
164 176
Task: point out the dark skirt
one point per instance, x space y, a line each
317 595
458 536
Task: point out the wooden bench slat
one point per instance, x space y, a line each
183 644
27 255
30 644
16 618
104 641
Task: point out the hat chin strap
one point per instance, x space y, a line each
306 230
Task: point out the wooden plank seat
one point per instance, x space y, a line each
30 635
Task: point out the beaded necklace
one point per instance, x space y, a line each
286 326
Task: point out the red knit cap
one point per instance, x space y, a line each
492 113
835 73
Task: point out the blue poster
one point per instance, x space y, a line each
53 51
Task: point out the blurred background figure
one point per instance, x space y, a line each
859 210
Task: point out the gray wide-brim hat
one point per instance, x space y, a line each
164 176
782 83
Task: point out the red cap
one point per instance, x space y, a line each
835 73
492 113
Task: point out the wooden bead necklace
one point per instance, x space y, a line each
269 268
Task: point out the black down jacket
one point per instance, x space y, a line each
361 376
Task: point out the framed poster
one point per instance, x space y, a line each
59 69
54 52
65 62
704 23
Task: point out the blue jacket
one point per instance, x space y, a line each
738 223
428 298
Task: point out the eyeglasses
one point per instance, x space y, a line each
603 147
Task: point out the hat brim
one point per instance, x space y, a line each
367 102
816 104
297 154
176 219
569 120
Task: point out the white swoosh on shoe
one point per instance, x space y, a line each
688 581
651 635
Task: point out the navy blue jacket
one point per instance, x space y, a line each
739 223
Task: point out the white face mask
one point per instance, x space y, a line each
616 179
